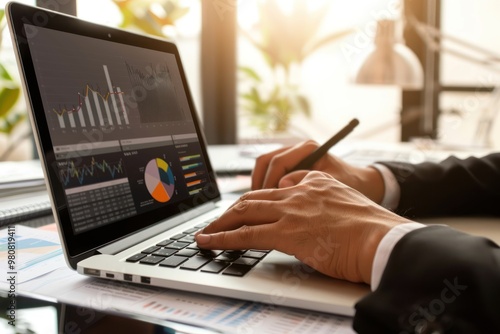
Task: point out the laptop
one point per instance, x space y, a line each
127 170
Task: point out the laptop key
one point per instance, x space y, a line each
228 256
191 230
237 270
165 252
214 267
150 250
178 245
164 243
173 261
235 251
152 260
195 263
247 261
187 252
136 257
255 254
187 238
178 236
260 250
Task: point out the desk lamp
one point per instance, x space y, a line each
391 62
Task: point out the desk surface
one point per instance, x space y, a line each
68 286
488 227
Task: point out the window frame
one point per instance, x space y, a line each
420 110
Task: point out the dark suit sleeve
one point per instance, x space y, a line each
453 187
437 280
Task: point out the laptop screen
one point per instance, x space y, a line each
116 127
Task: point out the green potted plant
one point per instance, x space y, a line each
150 16
10 118
285 39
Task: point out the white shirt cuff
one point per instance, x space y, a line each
385 248
392 190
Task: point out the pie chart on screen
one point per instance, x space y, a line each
159 180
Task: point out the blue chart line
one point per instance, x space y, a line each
40 259
28 243
95 171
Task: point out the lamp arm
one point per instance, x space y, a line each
432 38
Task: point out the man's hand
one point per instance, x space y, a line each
271 167
319 220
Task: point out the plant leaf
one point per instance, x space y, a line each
304 105
284 34
140 15
309 49
251 73
8 98
11 122
4 75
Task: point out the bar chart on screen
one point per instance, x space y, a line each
94 108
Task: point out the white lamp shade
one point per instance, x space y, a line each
390 63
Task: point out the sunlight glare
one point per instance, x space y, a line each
107 12
190 24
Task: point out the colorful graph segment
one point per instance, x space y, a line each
95 171
159 180
81 99
95 108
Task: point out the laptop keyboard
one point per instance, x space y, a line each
181 251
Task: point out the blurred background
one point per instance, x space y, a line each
288 70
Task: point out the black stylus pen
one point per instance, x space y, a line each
309 161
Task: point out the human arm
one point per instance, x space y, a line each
271 167
438 279
312 216
453 187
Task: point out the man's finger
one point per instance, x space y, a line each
292 179
282 163
246 212
245 237
260 195
261 167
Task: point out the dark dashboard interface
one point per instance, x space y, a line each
122 131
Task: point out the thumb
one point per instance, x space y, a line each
292 179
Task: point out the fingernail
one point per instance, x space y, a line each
203 238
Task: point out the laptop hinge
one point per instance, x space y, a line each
150 232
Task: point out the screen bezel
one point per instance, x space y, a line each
81 246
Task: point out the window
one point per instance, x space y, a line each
464 97
185 29
324 77
15 133
457 91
